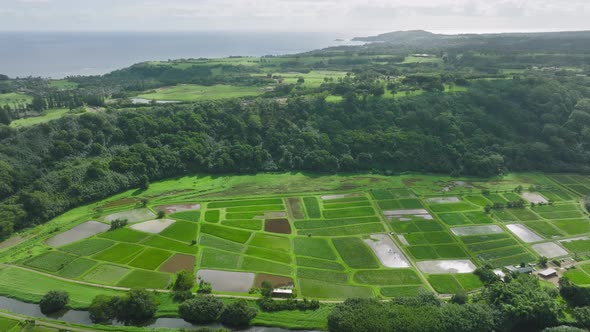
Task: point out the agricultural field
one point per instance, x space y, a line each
48 115
11 99
192 92
382 236
312 79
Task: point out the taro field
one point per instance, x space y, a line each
413 233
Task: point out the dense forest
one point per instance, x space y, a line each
534 120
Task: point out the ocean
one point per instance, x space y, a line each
61 54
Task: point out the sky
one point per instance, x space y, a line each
346 16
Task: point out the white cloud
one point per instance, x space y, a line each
294 15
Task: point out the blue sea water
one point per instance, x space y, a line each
61 54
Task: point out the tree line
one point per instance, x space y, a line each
508 125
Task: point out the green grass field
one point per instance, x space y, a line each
150 259
145 279
192 92
88 247
325 247
106 274
47 116
355 253
11 99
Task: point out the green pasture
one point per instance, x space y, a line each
192 92
62 84
12 99
47 116
415 59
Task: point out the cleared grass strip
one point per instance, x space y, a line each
347 213
345 230
251 202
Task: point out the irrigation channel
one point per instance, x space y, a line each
83 318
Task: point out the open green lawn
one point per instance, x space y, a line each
312 79
11 99
30 286
62 84
47 116
193 92
414 59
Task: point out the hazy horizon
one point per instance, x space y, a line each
355 17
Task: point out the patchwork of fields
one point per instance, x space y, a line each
427 232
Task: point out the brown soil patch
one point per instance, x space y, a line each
170 193
178 262
120 202
295 207
173 208
12 241
410 182
277 281
280 226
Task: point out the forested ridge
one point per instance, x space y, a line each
455 111
496 127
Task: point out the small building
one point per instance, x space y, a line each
518 269
548 273
282 292
500 274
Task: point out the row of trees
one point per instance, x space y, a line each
519 303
